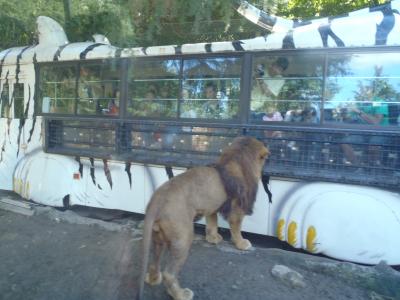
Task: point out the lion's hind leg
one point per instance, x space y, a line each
212 235
180 239
154 275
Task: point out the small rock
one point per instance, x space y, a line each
288 276
376 296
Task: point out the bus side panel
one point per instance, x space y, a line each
18 133
115 185
8 151
347 222
45 178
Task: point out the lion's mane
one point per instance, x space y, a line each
237 167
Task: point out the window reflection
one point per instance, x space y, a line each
211 88
363 89
99 89
58 89
286 88
153 88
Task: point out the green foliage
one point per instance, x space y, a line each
182 21
129 23
379 85
11 30
306 9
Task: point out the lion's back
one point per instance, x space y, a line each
198 187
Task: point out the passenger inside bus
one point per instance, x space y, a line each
306 115
372 111
211 107
113 108
168 100
267 84
89 90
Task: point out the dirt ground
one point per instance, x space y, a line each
67 256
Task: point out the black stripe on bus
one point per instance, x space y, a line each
237 45
18 69
325 31
169 171
266 21
386 26
35 66
88 49
288 42
22 120
91 159
107 172
118 52
178 49
78 159
58 52
128 171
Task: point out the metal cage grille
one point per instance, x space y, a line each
367 157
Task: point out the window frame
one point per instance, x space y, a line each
77 65
247 58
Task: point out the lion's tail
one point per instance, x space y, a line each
149 220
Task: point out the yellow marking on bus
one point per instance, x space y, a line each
19 186
27 190
311 236
16 185
279 230
292 240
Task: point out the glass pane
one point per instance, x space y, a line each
363 89
5 102
287 88
58 89
19 100
211 88
153 88
99 88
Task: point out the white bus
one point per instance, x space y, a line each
96 125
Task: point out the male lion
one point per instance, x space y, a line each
230 187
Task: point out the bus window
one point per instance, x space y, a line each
287 88
211 88
19 100
153 88
99 88
5 103
57 89
363 88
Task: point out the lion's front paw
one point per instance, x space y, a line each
213 238
242 244
181 294
186 294
153 279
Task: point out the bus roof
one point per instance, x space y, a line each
367 27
